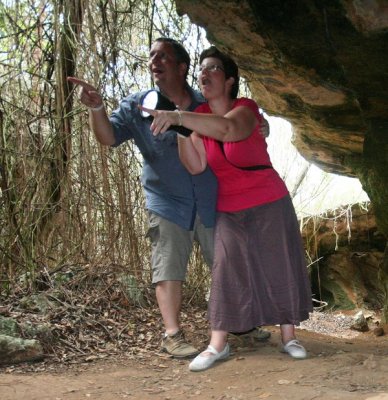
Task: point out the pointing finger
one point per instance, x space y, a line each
147 110
82 83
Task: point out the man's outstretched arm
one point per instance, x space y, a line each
98 118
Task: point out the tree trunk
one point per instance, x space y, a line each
67 37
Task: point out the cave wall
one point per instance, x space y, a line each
346 249
323 66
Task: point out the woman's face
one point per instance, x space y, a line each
211 78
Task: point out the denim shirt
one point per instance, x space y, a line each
170 190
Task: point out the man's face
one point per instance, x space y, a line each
163 65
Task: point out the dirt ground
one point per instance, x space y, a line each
354 366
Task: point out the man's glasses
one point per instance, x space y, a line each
209 68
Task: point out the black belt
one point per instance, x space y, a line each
249 168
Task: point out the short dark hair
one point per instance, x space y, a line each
230 66
181 54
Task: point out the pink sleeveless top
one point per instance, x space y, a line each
240 189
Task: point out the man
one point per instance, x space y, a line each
181 207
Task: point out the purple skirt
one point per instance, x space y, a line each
259 274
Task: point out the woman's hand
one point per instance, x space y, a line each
162 119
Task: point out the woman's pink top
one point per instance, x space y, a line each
240 189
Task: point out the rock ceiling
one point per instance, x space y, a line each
323 66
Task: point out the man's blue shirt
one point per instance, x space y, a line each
170 190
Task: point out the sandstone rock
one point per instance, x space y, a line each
9 326
350 250
360 324
16 350
379 331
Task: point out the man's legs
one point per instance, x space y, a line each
171 247
205 237
169 297
249 338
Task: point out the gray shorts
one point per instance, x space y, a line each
171 247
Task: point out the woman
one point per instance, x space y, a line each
259 274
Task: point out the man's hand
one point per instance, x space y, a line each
98 119
89 95
264 127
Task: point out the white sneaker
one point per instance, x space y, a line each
200 363
295 349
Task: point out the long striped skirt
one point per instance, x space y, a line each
259 274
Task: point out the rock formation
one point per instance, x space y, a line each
345 249
323 66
